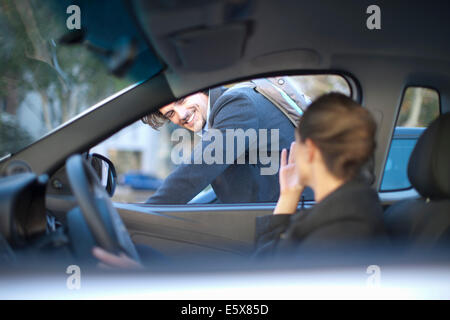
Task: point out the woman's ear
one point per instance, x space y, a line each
311 150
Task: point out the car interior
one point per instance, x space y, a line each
55 197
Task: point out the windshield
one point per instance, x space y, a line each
43 83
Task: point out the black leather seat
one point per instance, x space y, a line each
425 223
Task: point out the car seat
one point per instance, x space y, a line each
425 223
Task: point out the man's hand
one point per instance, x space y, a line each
112 261
290 184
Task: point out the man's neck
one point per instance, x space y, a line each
208 111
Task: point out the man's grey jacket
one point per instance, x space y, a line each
237 108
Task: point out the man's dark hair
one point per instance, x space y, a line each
156 119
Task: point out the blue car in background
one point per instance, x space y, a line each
395 176
140 181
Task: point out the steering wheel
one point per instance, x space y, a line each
96 222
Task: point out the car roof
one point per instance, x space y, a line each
292 35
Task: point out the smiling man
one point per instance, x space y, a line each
233 112
189 113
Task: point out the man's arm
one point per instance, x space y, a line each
185 182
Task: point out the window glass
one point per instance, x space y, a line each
144 157
420 106
44 83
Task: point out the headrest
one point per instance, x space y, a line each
429 164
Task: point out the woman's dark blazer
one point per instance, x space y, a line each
349 217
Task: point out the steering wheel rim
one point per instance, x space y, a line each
102 219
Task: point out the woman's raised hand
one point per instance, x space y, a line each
289 176
290 184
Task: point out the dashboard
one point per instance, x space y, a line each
22 207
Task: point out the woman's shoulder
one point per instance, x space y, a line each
352 215
354 201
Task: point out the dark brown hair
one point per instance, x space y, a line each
343 131
156 119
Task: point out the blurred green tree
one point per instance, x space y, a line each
59 81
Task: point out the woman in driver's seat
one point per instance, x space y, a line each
334 139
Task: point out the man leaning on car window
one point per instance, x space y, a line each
240 109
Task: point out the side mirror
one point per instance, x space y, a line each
105 170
